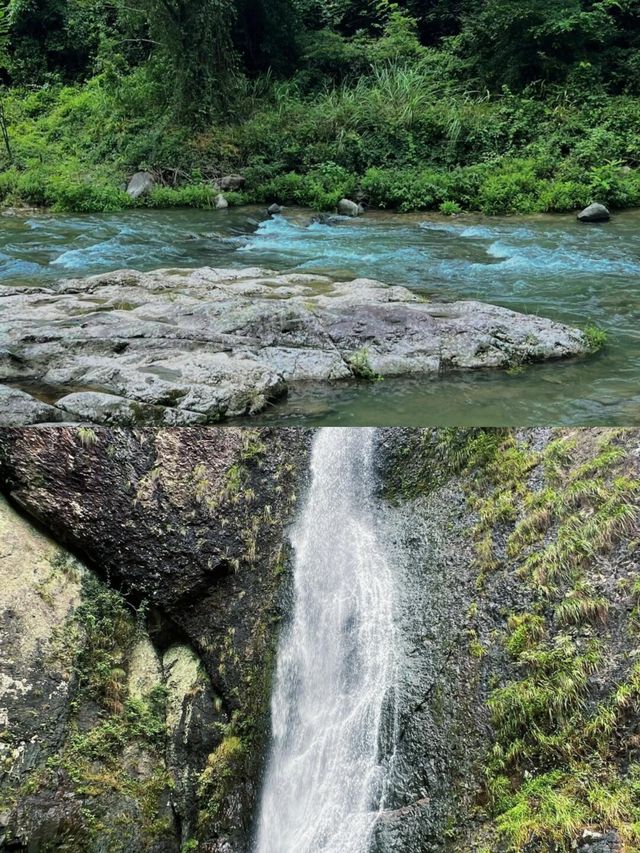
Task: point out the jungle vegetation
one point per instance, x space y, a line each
501 106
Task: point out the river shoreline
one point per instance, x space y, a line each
550 266
180 347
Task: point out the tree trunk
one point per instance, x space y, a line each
5 132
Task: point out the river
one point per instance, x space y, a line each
549 265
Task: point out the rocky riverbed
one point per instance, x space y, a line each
194 346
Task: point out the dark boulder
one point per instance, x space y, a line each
231 182
594 213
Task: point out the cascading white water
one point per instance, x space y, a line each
324 784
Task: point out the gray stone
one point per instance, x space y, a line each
274 209
18 408
346 207
594 213
220 202
598 842
231 182
180 346
96 407
140 184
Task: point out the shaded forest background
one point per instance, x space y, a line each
499 105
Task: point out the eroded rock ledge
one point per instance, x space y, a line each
194 346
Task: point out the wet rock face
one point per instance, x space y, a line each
189 525
454 517
182 347
52 771
35 600
440 735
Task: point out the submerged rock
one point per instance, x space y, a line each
324 219
183 346
594 213
140 184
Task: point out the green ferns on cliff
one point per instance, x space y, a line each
565 753
558 515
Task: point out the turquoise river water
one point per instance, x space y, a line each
552 266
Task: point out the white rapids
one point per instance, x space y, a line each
324 783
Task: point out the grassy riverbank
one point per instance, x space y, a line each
503 106
397 138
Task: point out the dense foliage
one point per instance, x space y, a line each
498 106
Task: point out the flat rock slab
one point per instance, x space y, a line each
194 346
20 409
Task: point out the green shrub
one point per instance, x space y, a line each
63 195
514 188
450 208
596 338
321 188
563 196
192 195
361 366
406 190
402 129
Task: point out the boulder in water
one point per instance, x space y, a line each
190 345
220 202
274 209
324 219
231 182
594 213
140 184
346 207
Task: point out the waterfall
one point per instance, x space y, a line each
324 783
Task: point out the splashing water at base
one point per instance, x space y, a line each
324 784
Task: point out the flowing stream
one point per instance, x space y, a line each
333 694
549 265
